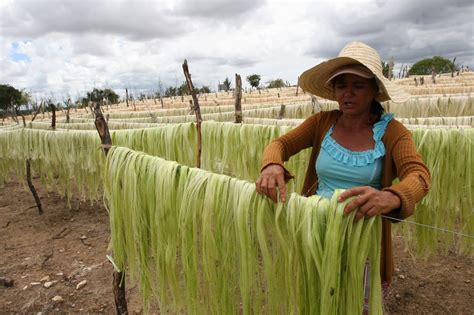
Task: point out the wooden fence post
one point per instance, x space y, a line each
118 276
53 116
126 96
238 98
197 110
281 115
28 172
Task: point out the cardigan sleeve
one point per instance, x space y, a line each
414 176
282 148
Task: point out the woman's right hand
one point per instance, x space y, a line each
271 178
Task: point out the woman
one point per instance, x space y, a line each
358 147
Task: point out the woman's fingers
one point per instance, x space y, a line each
369 201
356 203
271 181
282 187
351 192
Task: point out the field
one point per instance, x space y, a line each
70 241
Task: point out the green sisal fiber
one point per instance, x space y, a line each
64 160
199 242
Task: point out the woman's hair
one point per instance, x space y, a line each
376 109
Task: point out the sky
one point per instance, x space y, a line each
63 48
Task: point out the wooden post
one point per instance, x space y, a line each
17 113
238 98
282 112
68 107
53 116
197 110
118 276
32 188
119 293
126 96
37 111
453 67
102 128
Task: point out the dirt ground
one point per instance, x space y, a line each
64 247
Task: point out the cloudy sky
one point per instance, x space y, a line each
66 47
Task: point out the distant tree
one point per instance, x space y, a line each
100 96
8 96
95 95
277 83
182 89
171 91
426 66
204 89
11 98
254 80
111 96
226 84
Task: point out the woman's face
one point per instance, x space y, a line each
354 93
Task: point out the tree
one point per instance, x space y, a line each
11 98
171 91
99 96
254 80
204 89
226 84
182 89
111 96
426 66
278 83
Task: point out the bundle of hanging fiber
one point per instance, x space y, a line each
64 160
205 243
236 150
449 154
176 142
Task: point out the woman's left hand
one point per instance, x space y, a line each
370 201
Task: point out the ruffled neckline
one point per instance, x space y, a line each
358 158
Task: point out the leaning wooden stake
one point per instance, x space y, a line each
119 276
238 98
37 111
28 174
22 116
197 110
32 188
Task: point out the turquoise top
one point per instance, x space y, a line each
340 168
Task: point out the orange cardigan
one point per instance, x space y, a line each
401 161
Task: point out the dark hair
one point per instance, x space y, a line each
376 109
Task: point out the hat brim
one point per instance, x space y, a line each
314 81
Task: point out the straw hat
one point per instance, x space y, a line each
317 79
